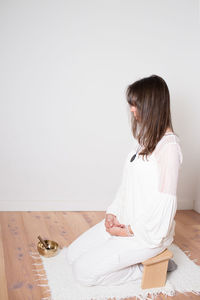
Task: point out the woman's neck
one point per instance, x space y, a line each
168 130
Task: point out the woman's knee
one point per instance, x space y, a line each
68 257
83 272
74 250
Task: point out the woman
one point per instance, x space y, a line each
139 223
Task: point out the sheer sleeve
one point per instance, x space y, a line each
115 207
156 221
168 160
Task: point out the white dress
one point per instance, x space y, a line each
146 198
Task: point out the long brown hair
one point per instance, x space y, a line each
150 95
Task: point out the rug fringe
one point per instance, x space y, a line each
196 292
188 253
47 291
42 285
42 276
39 279
35 257
153 295
31 252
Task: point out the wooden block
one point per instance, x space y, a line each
155 270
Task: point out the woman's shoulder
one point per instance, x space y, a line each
169 144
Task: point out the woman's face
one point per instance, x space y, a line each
134 110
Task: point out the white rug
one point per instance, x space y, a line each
62 286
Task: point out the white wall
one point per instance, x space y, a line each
64 124
197 197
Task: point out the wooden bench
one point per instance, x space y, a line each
155 270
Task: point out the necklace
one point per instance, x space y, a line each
134 156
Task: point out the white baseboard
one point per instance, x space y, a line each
63 205
59 205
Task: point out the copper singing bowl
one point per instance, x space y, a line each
50 251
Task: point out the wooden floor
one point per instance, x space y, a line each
19 232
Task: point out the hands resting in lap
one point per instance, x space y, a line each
114 227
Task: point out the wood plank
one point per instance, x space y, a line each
3 280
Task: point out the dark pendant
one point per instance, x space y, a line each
132 158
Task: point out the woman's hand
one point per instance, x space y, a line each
116 230
111 220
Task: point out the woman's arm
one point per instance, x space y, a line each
130 229
115 207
